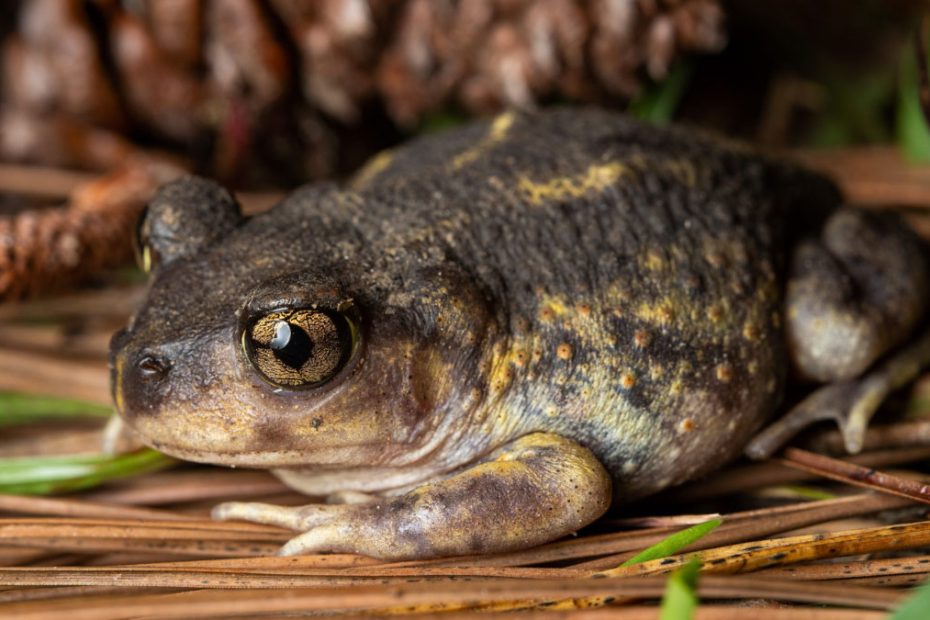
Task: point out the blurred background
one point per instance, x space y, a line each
103 100
271 93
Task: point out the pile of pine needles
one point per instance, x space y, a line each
810 534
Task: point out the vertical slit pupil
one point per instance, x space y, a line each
291 345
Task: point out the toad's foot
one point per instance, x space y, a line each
527 492
850 404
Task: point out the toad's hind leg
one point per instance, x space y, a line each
853 297
529 491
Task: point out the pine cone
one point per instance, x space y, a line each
47 249
245 85
488 54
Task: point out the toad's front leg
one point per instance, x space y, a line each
529 491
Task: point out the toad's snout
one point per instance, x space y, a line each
139 379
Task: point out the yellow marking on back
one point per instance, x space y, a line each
373 168
557 306
499 128
506 363
595 179
661 313
654 261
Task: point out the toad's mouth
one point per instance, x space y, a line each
321 472
266 459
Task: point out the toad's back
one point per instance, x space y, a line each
636 275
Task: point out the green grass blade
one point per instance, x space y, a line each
680 599
917 607
659 102
20 408
674 543
58 474
913 133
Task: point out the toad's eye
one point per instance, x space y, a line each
300 348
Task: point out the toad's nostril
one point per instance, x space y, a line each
151 367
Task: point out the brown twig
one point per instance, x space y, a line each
75 508
761 523
42 250
427 596
874 176
755 555
36 373
770 473
903 434
919 565
857 475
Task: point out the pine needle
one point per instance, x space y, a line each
674 543
58 474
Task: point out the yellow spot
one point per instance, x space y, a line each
675 387
642 338
584 310
618 292
595 179
715 313
558 308
750 332
551 308
660 313
564 351
656 371
627 381
687 425
369 171
724 372
499 128
147 259
752 367
654 262
503 366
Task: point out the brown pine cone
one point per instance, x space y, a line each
43 250
246 84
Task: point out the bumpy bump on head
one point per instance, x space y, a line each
186 215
